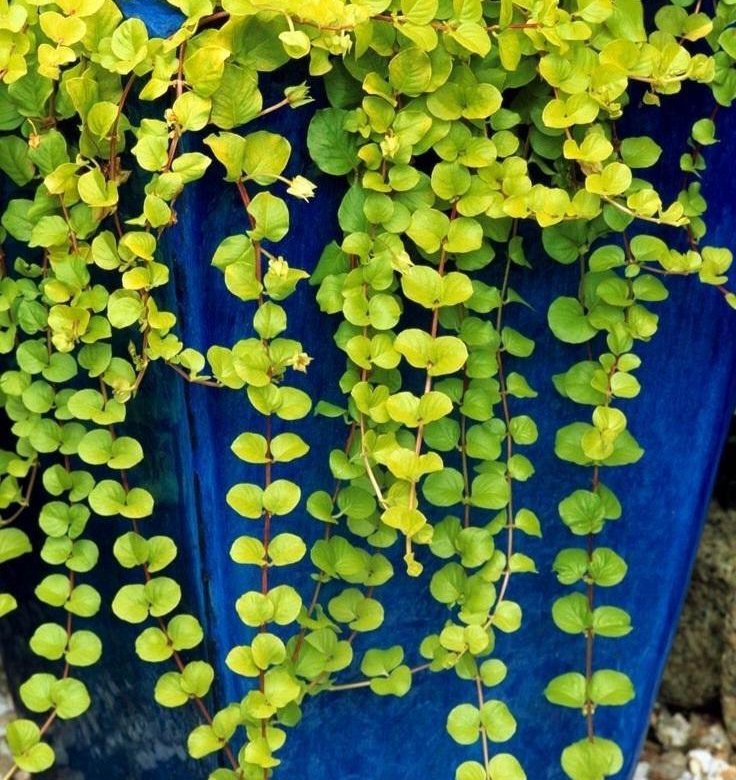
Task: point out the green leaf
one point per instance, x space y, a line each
109 498
285 549
528 522
192 111
419 11
184 632
320 506
410 71
254 609
286 604
606 257
398 683
97 447
251 447
463 724
359 612
204 68
611 622
15 160
137 244
267 650
168 691
71 698
614 179
158 597
85 649
627 21
609 687
378 662
281 497
704 132
131 550
472 37
67 696
507 616
504 766
236 101
567 690
152 645
570 565
271 217
233 249
444 488
592 759
229 149
265 156
582 512
270 319
428 228
572 614
296 43
191 167
332 148
163 594
84 600
287 447
246 500
248 550
492 672
439 356
568 322
425 286
450 180
640 151
49 231
406 408
29 753
197 678
54 590
202 741
95 191
463 235
497 720
515 343
49 641
606 567
13 543
490 491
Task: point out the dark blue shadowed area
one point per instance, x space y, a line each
680 419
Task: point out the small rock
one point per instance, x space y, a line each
673 731
642 771
711 736
671 765
702 765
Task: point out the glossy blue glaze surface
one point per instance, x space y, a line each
680 419
680 425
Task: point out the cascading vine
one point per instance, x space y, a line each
259 364
469 133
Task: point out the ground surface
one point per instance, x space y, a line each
692 747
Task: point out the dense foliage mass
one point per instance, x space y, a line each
460 127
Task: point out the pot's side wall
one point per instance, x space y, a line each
680 419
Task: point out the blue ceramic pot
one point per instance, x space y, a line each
680 419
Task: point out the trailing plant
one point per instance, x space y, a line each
467 132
